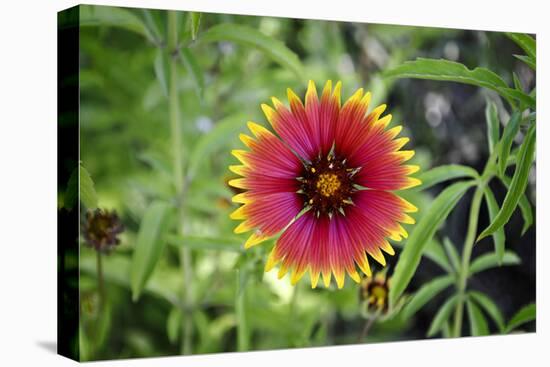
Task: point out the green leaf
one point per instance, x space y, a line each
517 82
491 260
526 42
422 234
527 60
151 25
452 253
489 306
195 24
91 15
499 236
518 185
524 98
442 316
524 315
206 243
88 195
478 323
493 125
173 324
223 131
161 67
427 292
524 206
71 193
248 36
508 135
149 245
435 252
443 173
193 68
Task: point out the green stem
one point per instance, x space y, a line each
469 242
100 281
175 125
240 310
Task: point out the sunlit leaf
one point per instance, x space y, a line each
442 316
149 245
499 237
422 234
524 315
493 125
478 323
248 36
88 195
489 306
195 24
427 292
443 173
491 260
517 186
173 324
526 42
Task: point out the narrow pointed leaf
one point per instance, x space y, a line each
161 71
91 15
524 206
518 185
427 292
478 323
491 260
526 42
527 60
452 253
524 315
489 306
443 173
195 24
248 36
149 245
499 237
508 135
194 70
493 125
442 316
422 234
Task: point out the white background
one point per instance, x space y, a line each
28 182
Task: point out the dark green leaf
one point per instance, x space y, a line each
251 37
478 323
517 82
518 185
489 306
524 98
71 193
493 125
508 135
88 195
525 207
91 15
443 173
452 253
526 42
527 60
223 131
427 292
422 234
206 243
524 315
195 24
149 245
499 235
161 70
193 68
491 260
442 316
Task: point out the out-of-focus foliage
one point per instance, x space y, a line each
227 65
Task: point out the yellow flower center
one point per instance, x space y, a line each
327 184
